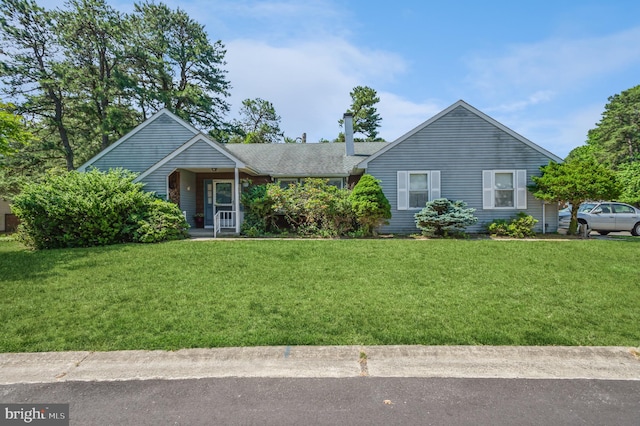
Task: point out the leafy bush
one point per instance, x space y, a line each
162 221
520 226
369 204
259 215
312 207
94 208
442 217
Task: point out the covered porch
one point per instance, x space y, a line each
210 197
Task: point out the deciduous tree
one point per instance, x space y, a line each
13 132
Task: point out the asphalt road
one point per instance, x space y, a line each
352 401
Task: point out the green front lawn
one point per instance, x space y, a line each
189 294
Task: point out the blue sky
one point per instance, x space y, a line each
545 69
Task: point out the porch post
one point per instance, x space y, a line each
236 178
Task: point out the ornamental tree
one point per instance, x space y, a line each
442 216
579 179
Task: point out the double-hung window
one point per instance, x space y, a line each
416 188
285 182
504 189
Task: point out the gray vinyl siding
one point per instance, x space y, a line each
199 155
188 195
460 145
148 146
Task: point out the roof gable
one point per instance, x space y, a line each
199 138
162 113
478 113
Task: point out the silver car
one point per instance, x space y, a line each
608 217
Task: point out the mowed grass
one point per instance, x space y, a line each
190 294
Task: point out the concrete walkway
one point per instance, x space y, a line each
607 363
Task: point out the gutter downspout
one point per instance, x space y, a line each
544 218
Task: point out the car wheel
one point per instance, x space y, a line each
636 230
603 232
583 229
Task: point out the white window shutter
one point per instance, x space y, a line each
434 191
521 189
487 189
403 190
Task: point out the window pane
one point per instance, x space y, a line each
335 182
418 199
223 193
284 183
209 193
418 182
504 198
504 180
620 208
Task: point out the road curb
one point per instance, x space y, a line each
533 362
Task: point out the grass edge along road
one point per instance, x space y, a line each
188 294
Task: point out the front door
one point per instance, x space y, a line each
218 196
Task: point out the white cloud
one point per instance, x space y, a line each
307 82
559 134
551 91
554 64
400 116
540 96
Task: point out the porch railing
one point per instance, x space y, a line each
223 219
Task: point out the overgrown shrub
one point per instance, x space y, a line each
259 215
369 204
162 221
94 208
520 226
312 207
442 217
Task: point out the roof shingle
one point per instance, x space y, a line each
311 159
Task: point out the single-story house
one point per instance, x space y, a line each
460 154
5 209
8 221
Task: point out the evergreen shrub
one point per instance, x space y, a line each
92 209
442 217
369 204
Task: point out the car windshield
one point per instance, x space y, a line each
586 207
